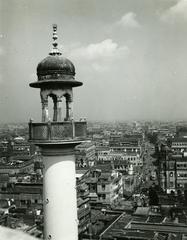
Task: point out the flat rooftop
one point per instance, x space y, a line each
144 228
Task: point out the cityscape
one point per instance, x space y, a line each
131 181
102 159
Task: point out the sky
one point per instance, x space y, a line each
131 56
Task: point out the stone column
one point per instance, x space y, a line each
45 111
55 110
69 109
58 109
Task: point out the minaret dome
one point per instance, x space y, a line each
55 69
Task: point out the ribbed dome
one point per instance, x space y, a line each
53 65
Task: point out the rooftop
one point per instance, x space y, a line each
179 139
143 227
85 145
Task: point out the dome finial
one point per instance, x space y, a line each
55 50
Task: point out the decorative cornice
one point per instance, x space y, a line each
58 150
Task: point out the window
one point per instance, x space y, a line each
23 202
171 184
103 196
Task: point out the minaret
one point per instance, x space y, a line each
57 140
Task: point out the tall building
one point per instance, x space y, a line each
83 205
172 162
173 175
57 140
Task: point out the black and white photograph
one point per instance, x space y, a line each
93 119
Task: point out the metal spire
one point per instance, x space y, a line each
55 50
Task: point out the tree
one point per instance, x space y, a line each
153 197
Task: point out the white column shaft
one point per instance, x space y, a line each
60 203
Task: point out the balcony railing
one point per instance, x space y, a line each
48 131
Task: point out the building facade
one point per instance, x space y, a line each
105 185
85 155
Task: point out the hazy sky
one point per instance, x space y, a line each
130 54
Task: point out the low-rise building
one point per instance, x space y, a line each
24 194
85 155
115 153
179 145
133 154
105 185
103 153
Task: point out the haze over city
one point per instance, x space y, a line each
130 55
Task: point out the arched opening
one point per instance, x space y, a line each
57 108
52 107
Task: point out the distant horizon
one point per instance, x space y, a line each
110 121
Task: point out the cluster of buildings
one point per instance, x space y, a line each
109 177
101 183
